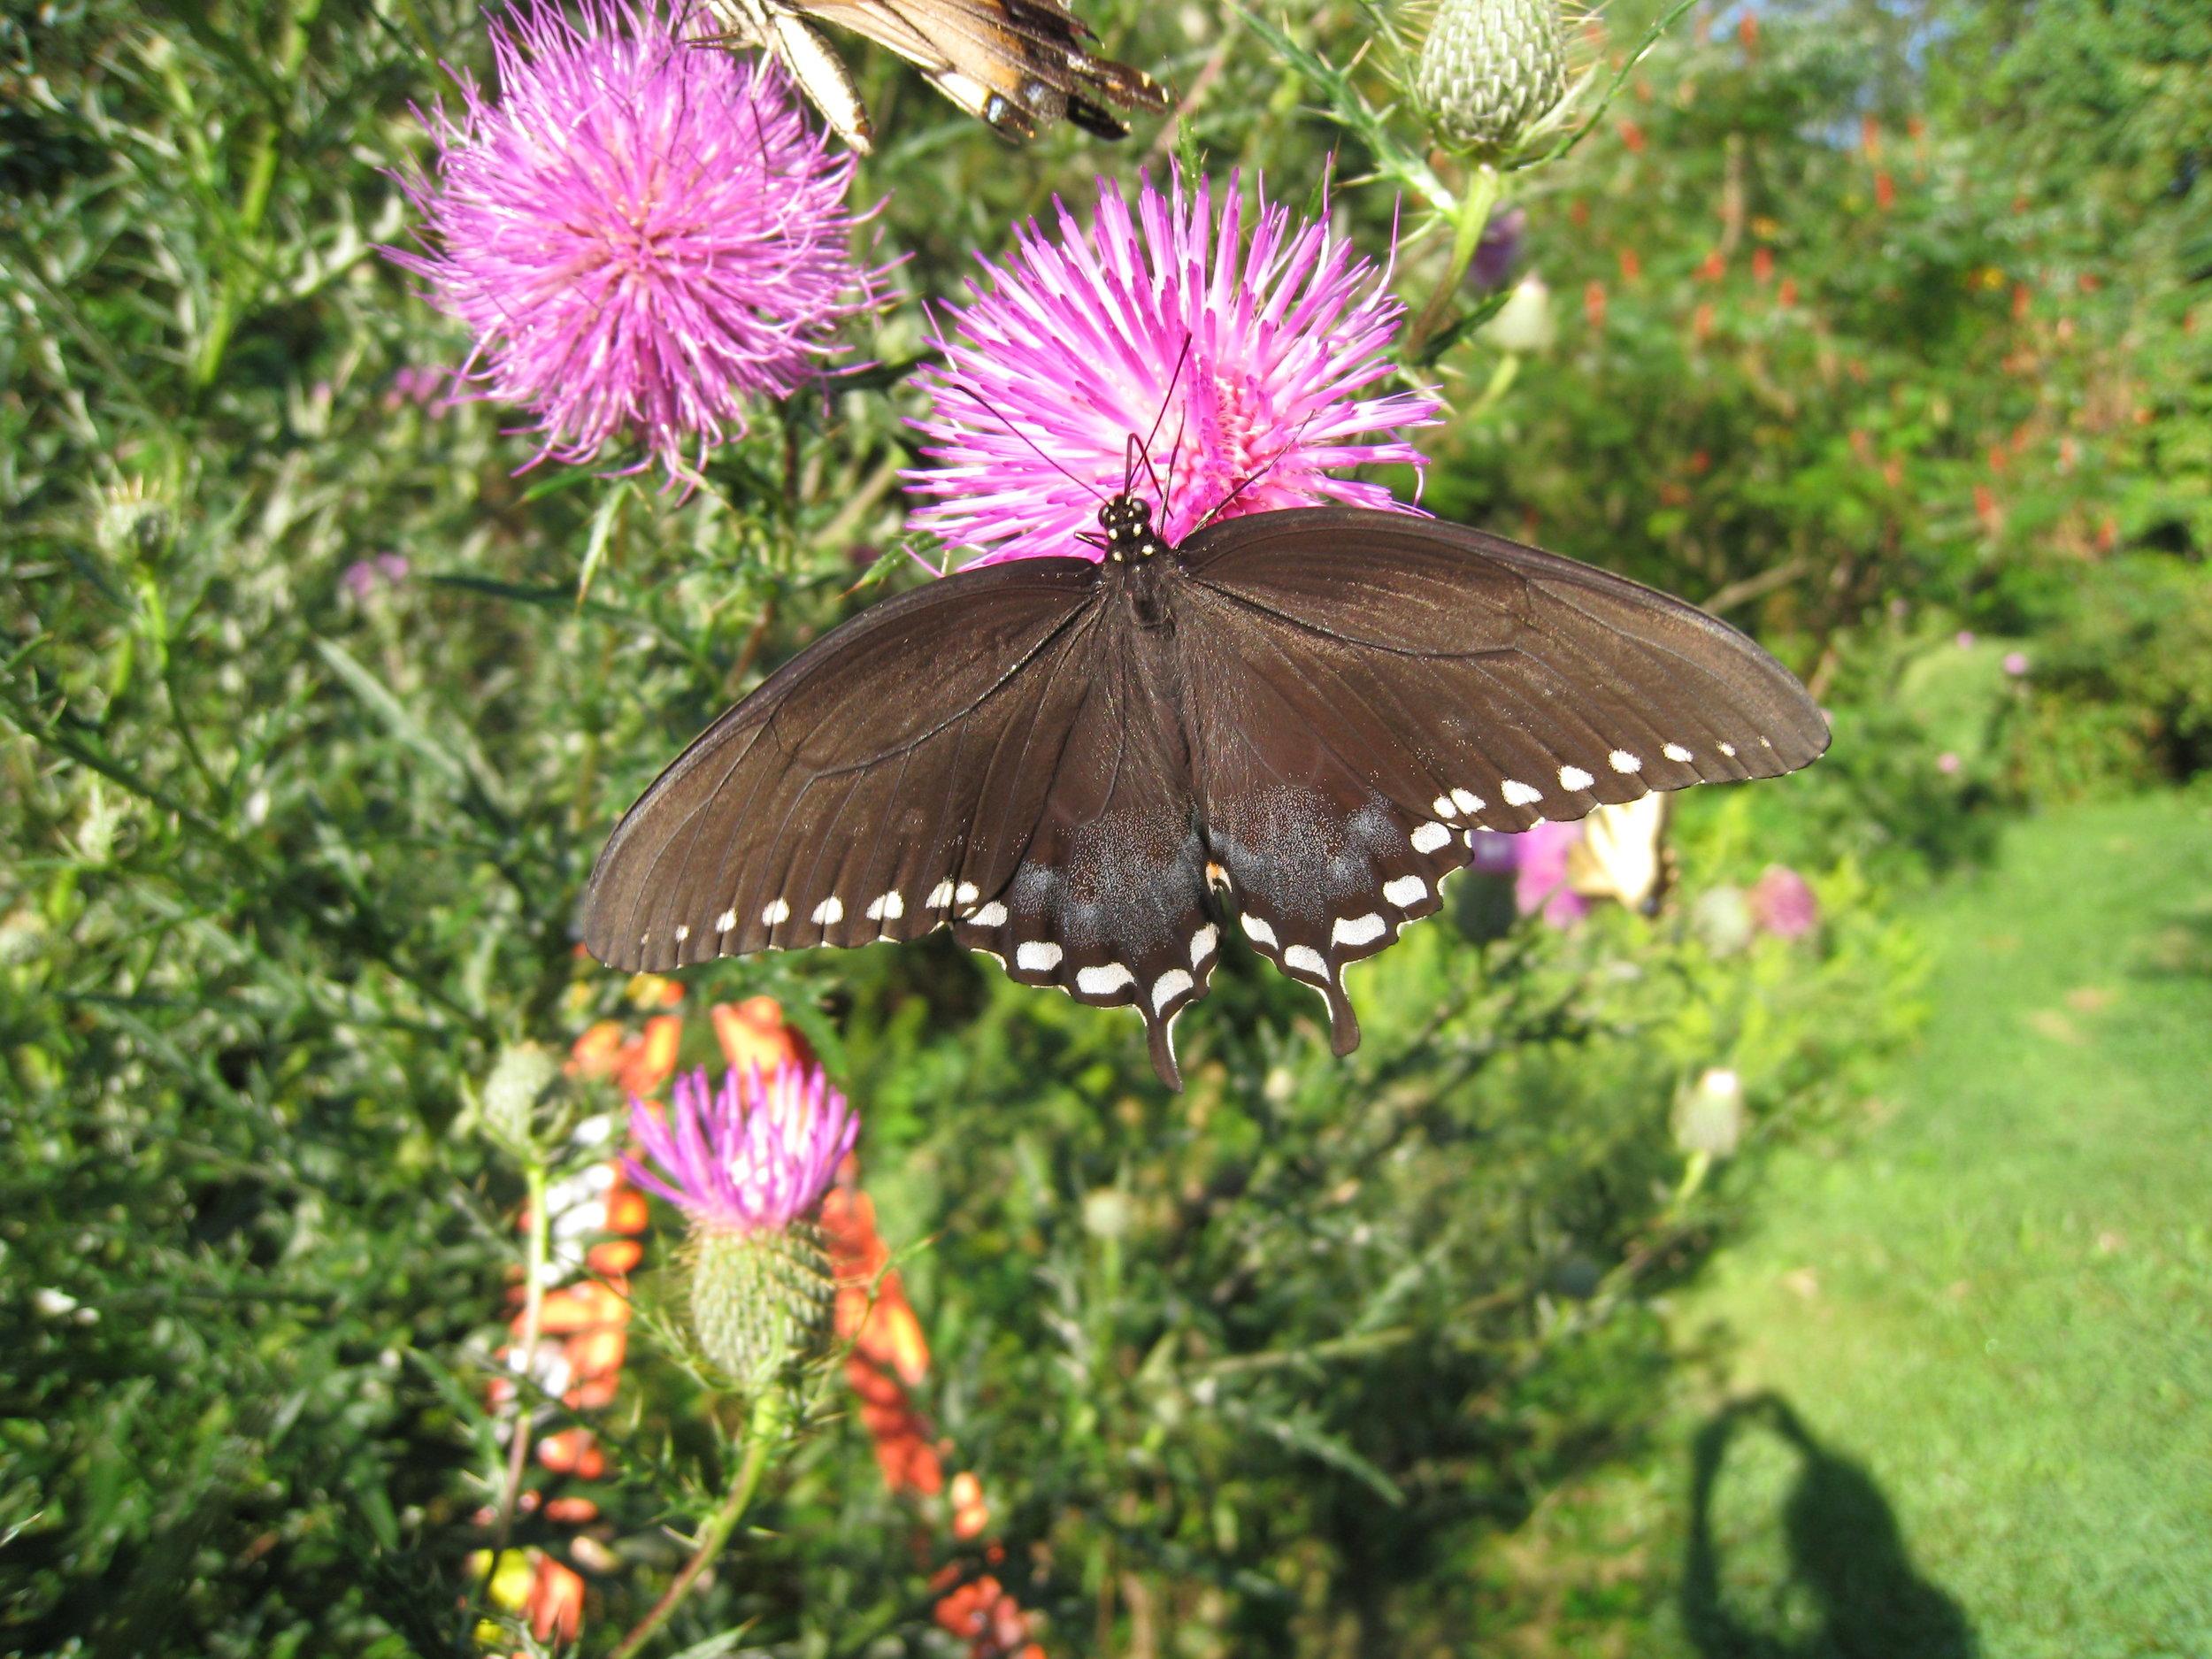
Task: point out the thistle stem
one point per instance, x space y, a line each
1482 187
763 1434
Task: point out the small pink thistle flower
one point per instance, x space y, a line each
641 234
1541 881
1782 902
755 1156
1076 340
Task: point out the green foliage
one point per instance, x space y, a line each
318 703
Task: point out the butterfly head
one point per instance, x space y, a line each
1127 523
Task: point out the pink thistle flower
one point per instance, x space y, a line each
641 234
1077 338
1540 882
1783 903
753 1157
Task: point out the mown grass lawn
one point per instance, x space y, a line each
1952 1391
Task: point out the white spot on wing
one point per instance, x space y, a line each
940 896
683 932
1406 891
1443 807
1621 760
725 921
991 915
1574 778
966 893
886 907
1427 838
1168 986
1256 930
779 911
1469 801
1728 749
1358 930
1038 956
1103 982
1202 942
1519 794
1674 751
1306 959
830 910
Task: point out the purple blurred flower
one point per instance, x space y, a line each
1075 341
1541 881
1964 640
1499 251
641 234
1493 852
2015 664
413 385
1783 904
364 578
1946 762
753 1157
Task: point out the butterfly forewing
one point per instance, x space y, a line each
1538 686
842 802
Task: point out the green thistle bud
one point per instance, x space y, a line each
1490 69
519 1080
760 1300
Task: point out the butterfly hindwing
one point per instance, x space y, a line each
1303 814
1109 903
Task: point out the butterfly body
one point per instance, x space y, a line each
1289 723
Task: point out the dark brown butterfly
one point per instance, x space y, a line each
1020 64
1294 719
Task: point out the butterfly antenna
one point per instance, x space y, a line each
985 404
1174 450
1144 447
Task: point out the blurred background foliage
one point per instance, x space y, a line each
1873 326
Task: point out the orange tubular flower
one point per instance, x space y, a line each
556 1602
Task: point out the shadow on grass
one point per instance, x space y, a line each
1851 1591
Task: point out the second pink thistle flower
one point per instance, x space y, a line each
1076 339
641 234
749 1163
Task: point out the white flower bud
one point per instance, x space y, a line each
1710 1118
1524 323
